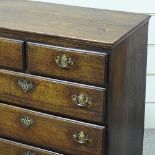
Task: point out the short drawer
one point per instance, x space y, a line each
51 132
55 96
11 53
8 147
69 64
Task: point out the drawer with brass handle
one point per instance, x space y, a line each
62 63
49 131
9 147
11 53
54 96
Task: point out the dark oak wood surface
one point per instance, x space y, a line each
85 64
52 96
50 132
122 36
126 95
11 53
8 147
77 23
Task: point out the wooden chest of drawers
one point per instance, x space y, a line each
72 80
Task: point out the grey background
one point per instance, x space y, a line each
149 142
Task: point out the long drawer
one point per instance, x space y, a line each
8 147
51 132
59 97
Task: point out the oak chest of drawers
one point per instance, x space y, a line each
72 80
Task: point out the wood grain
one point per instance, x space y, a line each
123 36
52 96
50 132
126 95
8 147
86 64
11 53
77 23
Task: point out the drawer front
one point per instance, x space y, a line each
58 97
78 66
8 147
55 133
11 53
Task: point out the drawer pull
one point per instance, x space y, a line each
28 153
81 100
26 121
81 137
25 85
64 61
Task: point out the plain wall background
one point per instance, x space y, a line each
139 6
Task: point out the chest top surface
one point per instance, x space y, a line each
94 25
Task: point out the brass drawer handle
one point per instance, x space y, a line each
26 121
28 153
81 137
82 100
25 85
64 61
